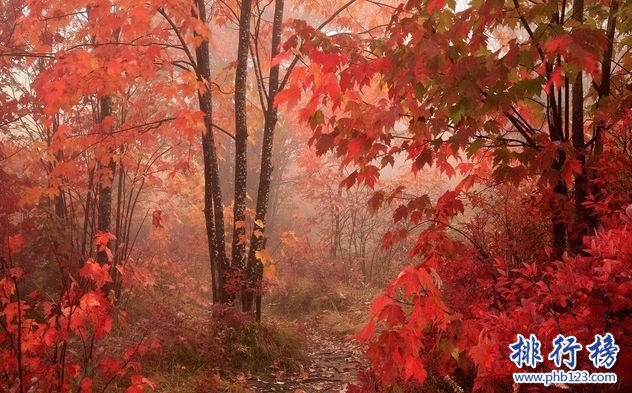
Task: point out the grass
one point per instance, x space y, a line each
184 368
199 381
258 346
343 323
305 296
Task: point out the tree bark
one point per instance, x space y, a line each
213 206
87 216
254 270
556 133
606 73
603 92
581 180
241 138
104 210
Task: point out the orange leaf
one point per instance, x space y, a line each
100 275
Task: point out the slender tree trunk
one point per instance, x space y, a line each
581 180
241 139
104 209
207 146
606 73
86 217
213 206
604 91
556 132
120 238
254 271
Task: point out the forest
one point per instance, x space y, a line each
349 196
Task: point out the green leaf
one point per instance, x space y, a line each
317 118
474 147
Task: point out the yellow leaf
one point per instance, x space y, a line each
288 237
259 223
89 300
269 271
264 256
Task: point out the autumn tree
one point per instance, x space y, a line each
512 92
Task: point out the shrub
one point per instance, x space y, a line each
257 346
304 296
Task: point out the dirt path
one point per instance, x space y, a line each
332 363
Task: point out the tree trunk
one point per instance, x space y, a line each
241 138
603 92
556 132
213 206
254 270
104 209
606 73
86 218
120 238
581 180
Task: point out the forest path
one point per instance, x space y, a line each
332 363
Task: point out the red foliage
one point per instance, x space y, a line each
58 345
436 92
467 326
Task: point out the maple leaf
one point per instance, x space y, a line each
99 274
379 303
289 95
369 175
555 80
264 256
328 61
424 158
350 180
414 368
367 331
354 146
376 200
559 44
101 240
10 312
467 183
90 300
571 168
284 55
409 279
392 314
